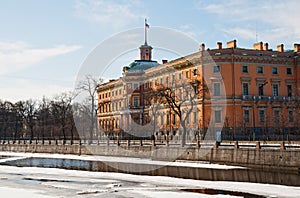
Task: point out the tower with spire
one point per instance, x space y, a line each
146 50
145 61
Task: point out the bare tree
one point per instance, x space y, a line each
89 86
28 109
44 117
61 110
183 104
6 111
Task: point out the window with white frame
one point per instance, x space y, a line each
218 116
173 118
291 116
162 119
188 118
261 89
274 70
289 90
168 119
289 71
195 72
275 89
246 115
136 101
245 69
276 116
260 69
245 89
216 69
261 116
195 117
217 89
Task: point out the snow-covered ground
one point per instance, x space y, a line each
51 182
118 159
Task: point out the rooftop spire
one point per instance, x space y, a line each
146 27
146 50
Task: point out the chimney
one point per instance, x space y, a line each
296 47
219 44
280 48
258 46
202 47
164 61
231 44
266 46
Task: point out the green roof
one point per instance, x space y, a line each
141 65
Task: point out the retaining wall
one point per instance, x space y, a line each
258 158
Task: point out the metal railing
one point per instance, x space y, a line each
291 145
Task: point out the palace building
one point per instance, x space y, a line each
246 94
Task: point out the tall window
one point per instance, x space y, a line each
180 93
216 69
167 80
187 74
289 71
180 76
275 89
245 69
261 116
260 89
173 77
168 119
135 101
276 116
195 117
218 116
162 120
195 72
291 116
289 90
135 86
246 116
274 70
217 89
188 119
245 89
173 118
260 70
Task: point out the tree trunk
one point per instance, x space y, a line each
183 140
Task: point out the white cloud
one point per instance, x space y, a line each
19 55
276 20
189 30
115 14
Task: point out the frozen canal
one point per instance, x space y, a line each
53 182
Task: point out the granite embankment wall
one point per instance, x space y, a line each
282 159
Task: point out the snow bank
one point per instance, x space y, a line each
268 190
21 193
122 159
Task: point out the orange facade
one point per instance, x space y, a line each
245 93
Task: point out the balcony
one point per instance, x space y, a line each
267 98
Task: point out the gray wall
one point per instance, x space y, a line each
259 158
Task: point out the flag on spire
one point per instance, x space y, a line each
146 24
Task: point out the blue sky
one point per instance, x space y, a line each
44 43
